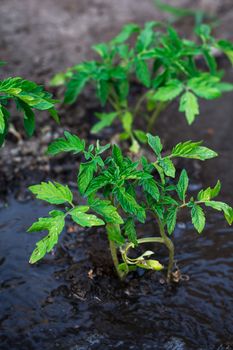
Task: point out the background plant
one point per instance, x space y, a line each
28 97
165 64
177 12
120 192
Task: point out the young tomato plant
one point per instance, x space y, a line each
165 64
120 192
28 97
176 13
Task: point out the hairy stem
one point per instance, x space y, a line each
170 247
113 249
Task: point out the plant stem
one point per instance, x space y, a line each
140 241
144 240
170 247
160 107
139 103
113 249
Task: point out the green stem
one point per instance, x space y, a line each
170 247
160 107
144 240
113 249
140 241
139 103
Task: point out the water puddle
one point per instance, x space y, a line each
40 306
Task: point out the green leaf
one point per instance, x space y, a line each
209 193
189 105
6 116
203 30
205 86
122 87
117 155
107 210
101 49
54 114
198 218
29 121
160 172
146 36
135 147
174 10
2 121
127 120
29 118
114 233
74 87
85 220
151 187
28 92
210 60
69 143
192 150
103 91
53 193
171 90
55 226
96 183
150 265
168 167
227 210
182 185
106 119
129 204
130 231
171 219
125 33
85 175
41 225
58 79
100 149
225 87
142 72
118 73
140 135
175 40
155 143
227 47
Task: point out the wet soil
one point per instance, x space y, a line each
72 300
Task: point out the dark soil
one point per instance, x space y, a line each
72 299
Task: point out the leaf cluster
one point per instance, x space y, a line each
163 62
28 97
122 192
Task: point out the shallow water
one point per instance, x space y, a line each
39 309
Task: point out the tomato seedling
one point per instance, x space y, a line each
165 64
28 97
120 192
